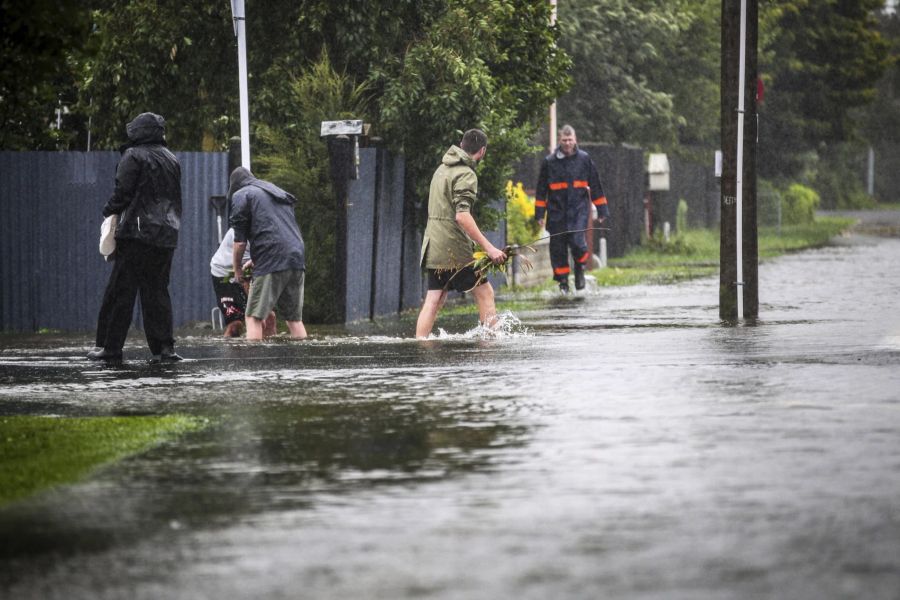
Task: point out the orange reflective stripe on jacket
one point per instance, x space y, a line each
560 185
600 201
540 204
578 183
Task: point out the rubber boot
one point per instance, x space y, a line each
579 277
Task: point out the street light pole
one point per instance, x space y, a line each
553 106
240 31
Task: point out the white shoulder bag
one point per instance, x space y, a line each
108 235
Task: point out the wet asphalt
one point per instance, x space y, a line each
622 443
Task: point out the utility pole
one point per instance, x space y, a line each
739 243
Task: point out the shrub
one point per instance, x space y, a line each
799 204
768 202
295 157
521 228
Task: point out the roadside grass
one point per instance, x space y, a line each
39 452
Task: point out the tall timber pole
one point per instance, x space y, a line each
739 246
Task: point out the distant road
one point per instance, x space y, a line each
874 222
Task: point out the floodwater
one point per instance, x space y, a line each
620 444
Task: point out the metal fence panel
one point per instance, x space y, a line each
360 237
622 174
389 237
51 273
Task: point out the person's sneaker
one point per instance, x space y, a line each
104 354
579 278
167 355
564 289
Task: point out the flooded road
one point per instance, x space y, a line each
620 444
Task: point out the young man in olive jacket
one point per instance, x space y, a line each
147 198
447 246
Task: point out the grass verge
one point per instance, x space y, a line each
38 452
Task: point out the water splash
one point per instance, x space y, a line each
507 326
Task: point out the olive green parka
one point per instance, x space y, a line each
453 190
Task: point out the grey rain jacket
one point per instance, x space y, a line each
147 197
263 215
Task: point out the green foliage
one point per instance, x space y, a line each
491 65
768 202
40 42
294 157
678 243
617 47
700 247
799 205
39 452
824 60
838 178
172 58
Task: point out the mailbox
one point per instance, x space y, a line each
658 169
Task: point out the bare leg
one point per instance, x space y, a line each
433 302
234 329
269 328
254 328
487 311
298 331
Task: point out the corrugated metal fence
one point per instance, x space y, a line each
51 273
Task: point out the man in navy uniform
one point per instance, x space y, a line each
567 181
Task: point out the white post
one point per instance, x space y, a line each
240 30
739 231
871 183
603 252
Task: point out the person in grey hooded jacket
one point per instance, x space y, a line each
147 198
263 215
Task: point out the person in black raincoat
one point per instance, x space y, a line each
147 198
567 183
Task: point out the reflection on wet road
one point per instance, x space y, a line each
622 444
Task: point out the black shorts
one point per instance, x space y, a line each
463 280
231 299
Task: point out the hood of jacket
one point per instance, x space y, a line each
146 128
456 155
241 177
561 155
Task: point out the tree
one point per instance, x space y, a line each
169 57
617 48
39 42
824 60
492 65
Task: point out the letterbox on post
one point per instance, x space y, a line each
658 169
347 129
